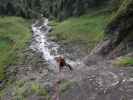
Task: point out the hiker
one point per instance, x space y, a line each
62 63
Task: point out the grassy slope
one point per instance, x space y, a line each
86 28
14 33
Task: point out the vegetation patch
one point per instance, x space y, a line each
123 61
86 28
14 34
22 90
65 85
38 89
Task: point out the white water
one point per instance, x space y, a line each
40 41
48 48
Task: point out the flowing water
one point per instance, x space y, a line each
48 49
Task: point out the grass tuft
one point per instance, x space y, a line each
123 61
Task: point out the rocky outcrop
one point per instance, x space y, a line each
119 31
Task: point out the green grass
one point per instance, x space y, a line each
65 85
86 28
123 61
23 89
38 89
14 33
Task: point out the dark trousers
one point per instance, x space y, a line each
65 64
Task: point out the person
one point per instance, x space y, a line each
62 63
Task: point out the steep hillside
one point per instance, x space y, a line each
14 33
119 32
